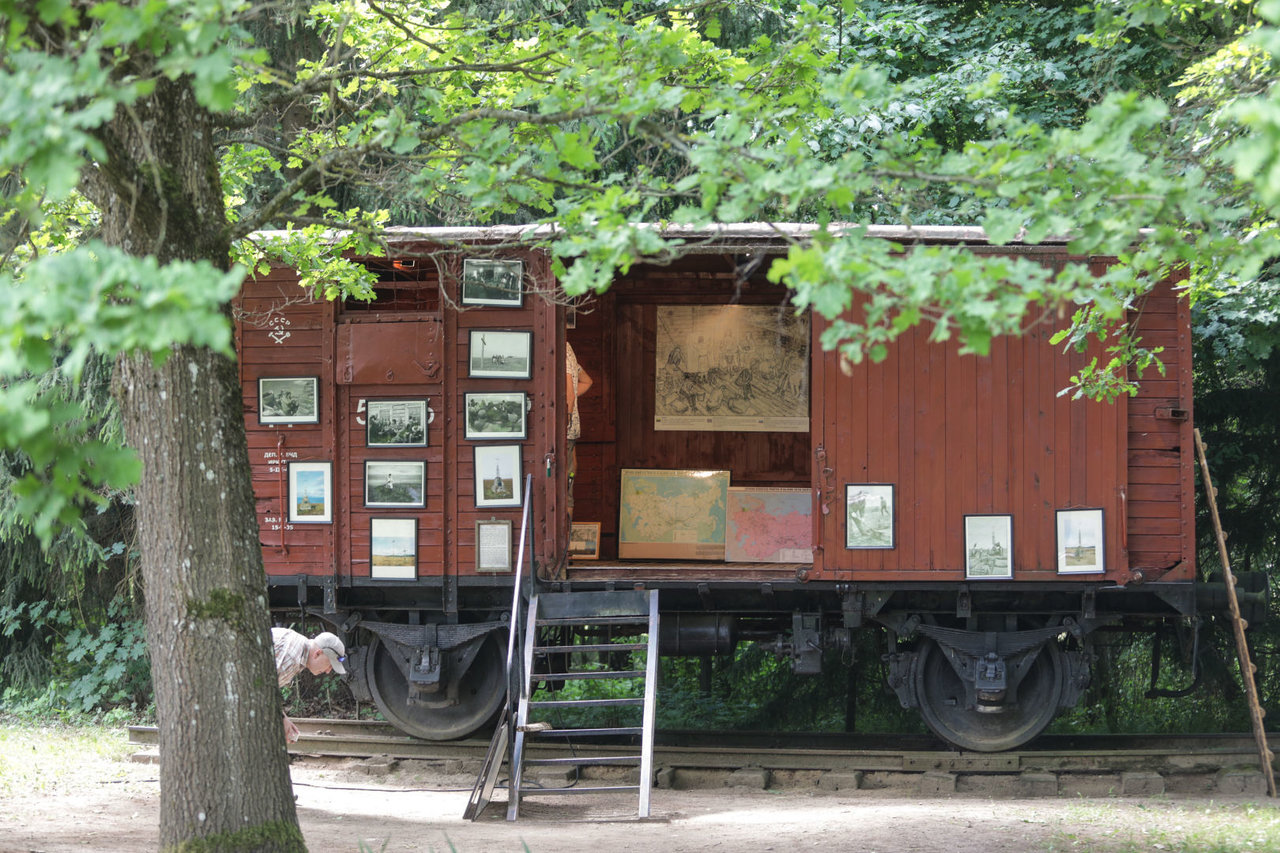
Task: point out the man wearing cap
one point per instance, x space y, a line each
294 653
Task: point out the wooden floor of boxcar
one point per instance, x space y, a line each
638 570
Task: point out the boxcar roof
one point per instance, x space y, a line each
709 238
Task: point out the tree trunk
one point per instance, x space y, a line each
224 774
224 777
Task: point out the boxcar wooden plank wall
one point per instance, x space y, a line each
1160 499
406 346
993 436
979 436
281 333
544 388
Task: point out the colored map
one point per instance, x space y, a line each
769 526
672 514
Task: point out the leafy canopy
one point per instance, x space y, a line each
336 119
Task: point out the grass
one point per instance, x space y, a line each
44 756
1162 825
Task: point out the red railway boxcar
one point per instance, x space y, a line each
768 490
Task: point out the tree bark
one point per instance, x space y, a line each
224 778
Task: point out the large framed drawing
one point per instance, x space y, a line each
868 515
672 514
497 475
1080 544
311 492
395 484
731 367
396 423
393 549
289 400
769 526
493 545
988 546
584 540
486 282
496 415
500 354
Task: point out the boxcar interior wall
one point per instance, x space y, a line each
615 338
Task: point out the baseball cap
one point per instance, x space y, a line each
333 649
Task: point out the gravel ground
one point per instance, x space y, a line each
104 801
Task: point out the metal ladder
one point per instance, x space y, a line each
595 610
625 614
501 744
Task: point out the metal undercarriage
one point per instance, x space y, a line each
987 665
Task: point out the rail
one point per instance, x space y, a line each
1183 763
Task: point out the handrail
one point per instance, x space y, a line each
515 683
502 734
516 579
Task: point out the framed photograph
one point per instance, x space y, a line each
487 282
1081 547
311 492
395 483
584 540
868 515
500 354
393 549
493 545
396 423
289 400
496 415
988 546
498 475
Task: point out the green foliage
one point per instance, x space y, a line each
94 667
1116 700
109 666
1017 117
46 591
750 690
1237 380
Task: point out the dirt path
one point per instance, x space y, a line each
112 805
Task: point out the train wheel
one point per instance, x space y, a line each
942 703
479 693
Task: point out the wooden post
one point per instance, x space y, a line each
1247 669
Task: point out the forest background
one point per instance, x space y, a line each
1029 119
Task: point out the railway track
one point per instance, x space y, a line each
1138 765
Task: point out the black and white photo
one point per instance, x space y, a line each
500 354
396 423
868 515
988 546
289 400
487 282
496 415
